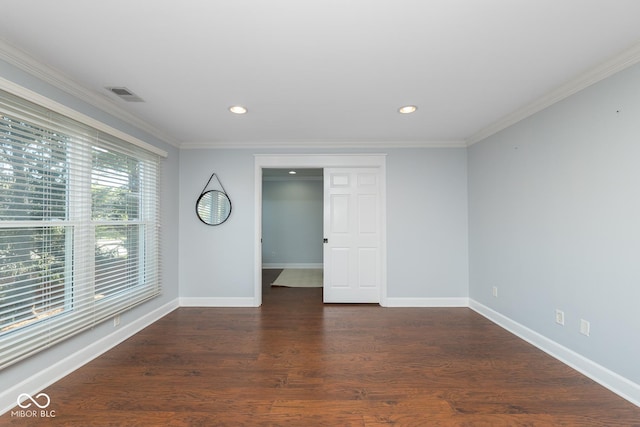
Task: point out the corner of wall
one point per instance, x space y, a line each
603 376
56 371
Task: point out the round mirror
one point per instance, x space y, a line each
213 207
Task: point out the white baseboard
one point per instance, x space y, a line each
293 265
616 383
426 302
64 367
218 302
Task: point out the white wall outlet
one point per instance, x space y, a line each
560 317
585 327
494 291
116 320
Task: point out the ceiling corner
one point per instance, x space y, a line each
613 65
28 64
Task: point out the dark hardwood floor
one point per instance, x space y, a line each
297 362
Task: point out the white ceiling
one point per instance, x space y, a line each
322 71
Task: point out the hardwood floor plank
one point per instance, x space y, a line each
298 362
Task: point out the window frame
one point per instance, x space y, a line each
77 256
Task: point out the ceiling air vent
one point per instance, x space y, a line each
125 94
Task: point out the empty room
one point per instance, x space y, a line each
457 242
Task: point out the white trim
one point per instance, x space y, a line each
45 102
64 367
621 386
322 144
427 302
279 161
30 65
293 265
217 302
625 59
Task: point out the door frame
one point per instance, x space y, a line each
317 161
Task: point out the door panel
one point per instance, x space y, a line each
339 222
367 266
339 180
367 218
352 229
339 272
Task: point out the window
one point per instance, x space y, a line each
78 227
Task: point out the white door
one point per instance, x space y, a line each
352 254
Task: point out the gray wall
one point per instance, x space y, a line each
169 234
426 223
216 261
554 214
292 221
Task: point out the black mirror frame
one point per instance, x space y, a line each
228 213
205 192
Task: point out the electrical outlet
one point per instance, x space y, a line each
585 327
560 317
116 320
494 291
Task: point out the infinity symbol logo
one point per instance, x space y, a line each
23 400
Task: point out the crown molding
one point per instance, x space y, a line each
47 74
625 59
52 105
320 144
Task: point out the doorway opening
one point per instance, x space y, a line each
292 231
317 161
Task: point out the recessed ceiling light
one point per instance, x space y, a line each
292 172
237 109
407 109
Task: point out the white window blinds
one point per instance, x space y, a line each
78 227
